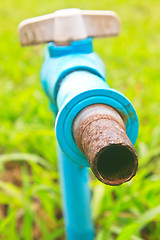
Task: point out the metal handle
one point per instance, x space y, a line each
67 25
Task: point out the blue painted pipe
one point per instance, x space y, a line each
73 78
76 199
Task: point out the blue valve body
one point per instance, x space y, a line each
73 77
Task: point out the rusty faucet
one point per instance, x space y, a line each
96 126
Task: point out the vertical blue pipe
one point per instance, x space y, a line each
76 199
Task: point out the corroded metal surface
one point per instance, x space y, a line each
100 133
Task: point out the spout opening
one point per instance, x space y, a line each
116 164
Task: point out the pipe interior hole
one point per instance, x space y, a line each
116 162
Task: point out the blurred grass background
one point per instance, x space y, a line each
30 199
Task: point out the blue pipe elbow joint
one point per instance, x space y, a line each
73 78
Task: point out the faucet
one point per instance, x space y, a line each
96 126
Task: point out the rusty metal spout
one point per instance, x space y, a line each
100 133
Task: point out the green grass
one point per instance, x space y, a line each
130 211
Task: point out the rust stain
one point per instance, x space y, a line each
101 135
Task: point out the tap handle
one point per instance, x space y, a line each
67 25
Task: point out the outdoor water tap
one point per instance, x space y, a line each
96 125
